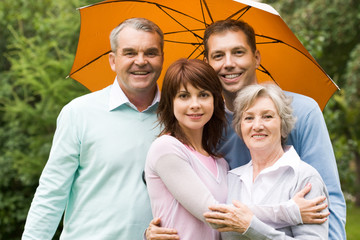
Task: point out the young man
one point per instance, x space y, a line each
100 145
230 49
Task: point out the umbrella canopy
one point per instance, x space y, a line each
284 59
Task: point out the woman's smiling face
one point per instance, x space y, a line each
193 108
261 125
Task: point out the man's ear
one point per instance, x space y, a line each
205 60
257 58
112 60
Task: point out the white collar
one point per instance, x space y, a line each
118 97
289 159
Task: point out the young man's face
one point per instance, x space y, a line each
233 60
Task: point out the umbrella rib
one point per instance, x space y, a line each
280 41
202 52
148 2
183 31
89 62
244 10
189 30
203 2
189 43
196 35
264 70
195 51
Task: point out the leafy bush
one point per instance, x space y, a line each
40 44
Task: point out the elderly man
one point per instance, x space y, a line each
99 148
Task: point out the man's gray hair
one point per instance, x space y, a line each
142 24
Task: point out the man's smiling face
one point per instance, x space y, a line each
138 60
233 60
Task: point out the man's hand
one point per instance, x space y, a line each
155 232
310 210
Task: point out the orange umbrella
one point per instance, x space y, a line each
284 59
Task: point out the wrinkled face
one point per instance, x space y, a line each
261 126
138 60
193 108
233 60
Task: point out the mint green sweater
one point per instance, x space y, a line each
94 173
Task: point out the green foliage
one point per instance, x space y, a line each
343 123
39 40
352 223
341 143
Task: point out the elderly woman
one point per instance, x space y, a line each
263 118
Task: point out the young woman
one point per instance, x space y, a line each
192 114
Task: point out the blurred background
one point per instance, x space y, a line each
38 40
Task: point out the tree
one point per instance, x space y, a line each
347 129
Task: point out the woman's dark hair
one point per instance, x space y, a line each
200 75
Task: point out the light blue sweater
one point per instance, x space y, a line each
94 173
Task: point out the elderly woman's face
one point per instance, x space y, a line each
261 125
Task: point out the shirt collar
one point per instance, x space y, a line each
290 159
118 97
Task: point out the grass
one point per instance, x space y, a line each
352 222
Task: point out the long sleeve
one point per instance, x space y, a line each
55 182
184 184
181 188
279 215
260 230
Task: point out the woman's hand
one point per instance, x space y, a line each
155 232
310 210
235 218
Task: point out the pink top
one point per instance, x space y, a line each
208 161
181 188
